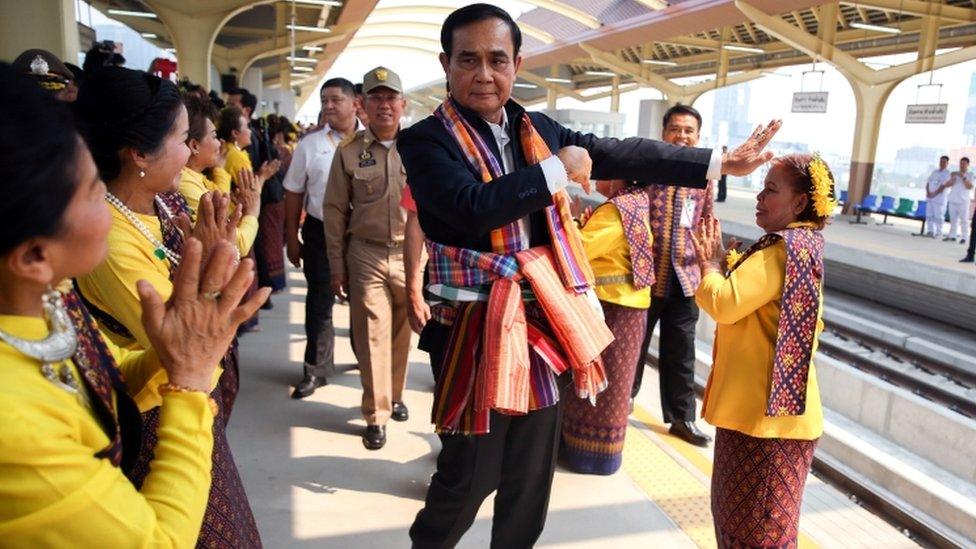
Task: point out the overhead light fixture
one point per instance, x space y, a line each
313 48
299 77
127 13
557 80
659 62
525 85
435 98
170 50
774 73
600 73
875 28
323 3
746 49
307 28
274 86
148 35
311 60
302 69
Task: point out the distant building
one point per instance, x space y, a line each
969 122
917 161
730 119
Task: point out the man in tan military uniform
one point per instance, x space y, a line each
364 226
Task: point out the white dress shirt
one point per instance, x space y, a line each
310 166
958 193
937 178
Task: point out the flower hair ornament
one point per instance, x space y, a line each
822 191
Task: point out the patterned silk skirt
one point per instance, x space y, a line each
757 489
269 246
230 381
228 520
593 436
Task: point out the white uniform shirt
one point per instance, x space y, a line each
937 178
958 193
310 166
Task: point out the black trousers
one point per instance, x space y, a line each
972 237
517 458
676 357
319 331
723 189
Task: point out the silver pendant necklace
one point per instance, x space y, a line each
55 349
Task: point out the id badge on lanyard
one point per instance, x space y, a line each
688 213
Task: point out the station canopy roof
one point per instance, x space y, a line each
577 47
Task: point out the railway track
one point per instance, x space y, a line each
949 385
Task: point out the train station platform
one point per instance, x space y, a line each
312 484
885 263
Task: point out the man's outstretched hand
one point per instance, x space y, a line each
752 154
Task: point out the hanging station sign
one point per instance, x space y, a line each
927 111
810 102
813 102
932 113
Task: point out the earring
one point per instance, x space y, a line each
142 173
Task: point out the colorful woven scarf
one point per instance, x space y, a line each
112 406
567 245
799 307
488 364
634 207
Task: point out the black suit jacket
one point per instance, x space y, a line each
456 208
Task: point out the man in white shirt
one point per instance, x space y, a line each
936 193
304 190
960 193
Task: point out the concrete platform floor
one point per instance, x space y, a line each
312 484
895 240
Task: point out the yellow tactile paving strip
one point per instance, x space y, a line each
680 493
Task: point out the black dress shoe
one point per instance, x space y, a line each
307 386
267 305
400 412
689 432
374 437
967 259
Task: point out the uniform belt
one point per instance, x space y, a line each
382 243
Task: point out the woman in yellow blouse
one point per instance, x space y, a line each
204 172
136 126
617 240
762 393
66 422
235 132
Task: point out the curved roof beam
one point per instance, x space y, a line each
575 14
426 45
413 10
536 32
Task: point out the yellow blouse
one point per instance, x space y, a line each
111 287
54 492
609 254
746 308
194 185
237 159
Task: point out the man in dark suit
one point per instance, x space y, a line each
457 209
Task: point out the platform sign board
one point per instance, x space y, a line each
931 113
810 102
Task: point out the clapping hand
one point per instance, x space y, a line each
750 155
192 331
707 240
212 224
247 193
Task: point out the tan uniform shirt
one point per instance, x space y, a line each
362 197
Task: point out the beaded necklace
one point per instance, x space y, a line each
160 251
